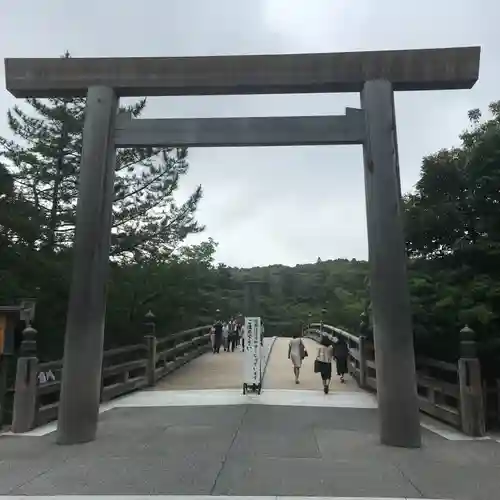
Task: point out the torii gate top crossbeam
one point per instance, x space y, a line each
427 69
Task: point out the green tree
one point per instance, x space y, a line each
44 161
17 216
453 237
456 202
17 219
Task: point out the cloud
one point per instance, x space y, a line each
308 25
295 203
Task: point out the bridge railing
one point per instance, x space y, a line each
175 350
124 369
450 392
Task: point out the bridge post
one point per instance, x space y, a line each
151 360
362 362
363 337
471 391
150 339
26 384
393 334
83 347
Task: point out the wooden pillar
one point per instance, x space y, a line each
84 337
393 332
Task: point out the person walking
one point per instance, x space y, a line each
217 336
225 336
241 335
212 337
296 353
233 336
323 362
341 352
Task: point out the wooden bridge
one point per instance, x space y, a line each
181 361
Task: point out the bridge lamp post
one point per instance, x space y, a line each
150 322
323 312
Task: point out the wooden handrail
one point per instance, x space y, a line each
124 369
338 331
437 397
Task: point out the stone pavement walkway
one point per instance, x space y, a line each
248 450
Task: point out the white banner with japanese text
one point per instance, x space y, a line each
253 353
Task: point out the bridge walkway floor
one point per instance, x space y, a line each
279 373
211 371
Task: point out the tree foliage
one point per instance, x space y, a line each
43 159
453 238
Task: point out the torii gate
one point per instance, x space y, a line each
376 75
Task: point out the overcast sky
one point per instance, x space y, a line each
296 204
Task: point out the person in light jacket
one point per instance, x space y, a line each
323 363
296 353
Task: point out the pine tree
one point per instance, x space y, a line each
18 261
17 216
44 161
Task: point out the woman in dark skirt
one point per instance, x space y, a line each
341 354
323 363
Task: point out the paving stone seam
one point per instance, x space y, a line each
266 361
226 455
199 497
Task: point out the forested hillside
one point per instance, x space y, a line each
291 294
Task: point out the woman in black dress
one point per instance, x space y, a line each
341 353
